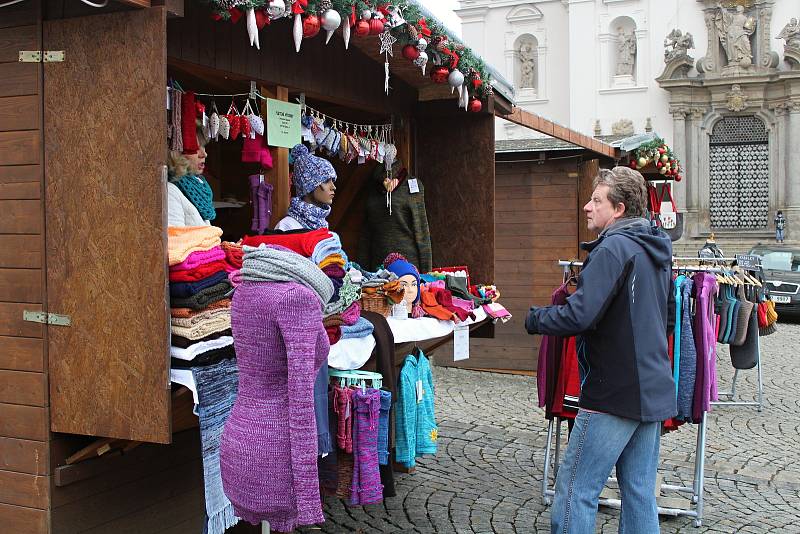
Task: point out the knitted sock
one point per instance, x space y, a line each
343 407
367 487
255 225
383 428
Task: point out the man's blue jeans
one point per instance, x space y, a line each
597 443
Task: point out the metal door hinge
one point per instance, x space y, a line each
46 318
38 56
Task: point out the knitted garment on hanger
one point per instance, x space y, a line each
199 273
204 298
427 430
367 487
268 451
302 243
406 414
199 193
343 406
687 370
324 439
265 264
189 123
196 259
383 428
187 289
216 391
188 313
183 240
308 215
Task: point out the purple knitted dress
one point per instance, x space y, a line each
268 451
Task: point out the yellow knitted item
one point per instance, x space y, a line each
333 259
183 240
772 315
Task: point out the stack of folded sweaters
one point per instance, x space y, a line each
199 297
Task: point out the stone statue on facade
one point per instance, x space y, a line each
626 53
735 29
527 65
791 34
677 44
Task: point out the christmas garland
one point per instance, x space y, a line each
658 154
422 39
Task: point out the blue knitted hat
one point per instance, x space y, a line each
309 171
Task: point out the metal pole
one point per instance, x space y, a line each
701 453
558 449
545 479
760 377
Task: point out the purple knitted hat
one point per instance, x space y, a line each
309 171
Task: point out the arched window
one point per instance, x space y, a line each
739 173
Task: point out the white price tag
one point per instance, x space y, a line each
420 391
461 343
413 186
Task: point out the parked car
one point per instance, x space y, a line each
781 264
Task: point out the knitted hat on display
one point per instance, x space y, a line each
399 265
309 171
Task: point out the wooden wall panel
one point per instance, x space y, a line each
19 113
21 354
23 520
20 148
23 456
24 489
21 285
27 422
18 79
12 40
11 323
20 217
20 251
536 225
459 186
23 387
109 370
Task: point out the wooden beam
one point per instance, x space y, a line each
175 8
278 175
540 124
145 4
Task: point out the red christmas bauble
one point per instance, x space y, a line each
410 52
678 178
362 28
632 164
311 26
375 26
475 105
440 75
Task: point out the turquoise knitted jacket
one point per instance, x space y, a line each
416 432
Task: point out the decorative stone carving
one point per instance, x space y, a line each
648 125
527 65
737 100
622 127
626 53
734 31
791 50
769 58
676 55
598 130
677 44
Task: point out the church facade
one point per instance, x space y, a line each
720 81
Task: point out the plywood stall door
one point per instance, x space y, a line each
105 147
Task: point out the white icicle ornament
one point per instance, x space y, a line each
346 34
331 20
297 31
252 28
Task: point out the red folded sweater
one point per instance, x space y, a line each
302 243
198 273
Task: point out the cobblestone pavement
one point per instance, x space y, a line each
488 472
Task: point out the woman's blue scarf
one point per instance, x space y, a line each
199 193
308 215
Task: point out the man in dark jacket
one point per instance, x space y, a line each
621 311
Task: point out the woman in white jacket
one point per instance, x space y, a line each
189 195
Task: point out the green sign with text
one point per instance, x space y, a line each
283 123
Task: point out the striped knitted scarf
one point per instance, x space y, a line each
308 215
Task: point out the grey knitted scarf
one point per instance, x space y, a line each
267 264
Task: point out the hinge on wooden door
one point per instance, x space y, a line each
46 318
39 56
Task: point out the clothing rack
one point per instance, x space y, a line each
695 510
731 398
357 378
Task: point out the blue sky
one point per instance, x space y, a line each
443 10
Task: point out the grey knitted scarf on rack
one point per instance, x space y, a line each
270 264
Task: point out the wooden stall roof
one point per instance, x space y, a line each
545 126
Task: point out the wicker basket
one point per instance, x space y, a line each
376 302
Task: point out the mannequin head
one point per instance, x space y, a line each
411 286
322 195
407 274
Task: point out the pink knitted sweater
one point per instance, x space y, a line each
268 451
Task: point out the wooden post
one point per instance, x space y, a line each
586 173
278 175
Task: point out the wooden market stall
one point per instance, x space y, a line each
83 278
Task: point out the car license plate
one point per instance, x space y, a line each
781 299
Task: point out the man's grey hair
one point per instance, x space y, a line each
625 186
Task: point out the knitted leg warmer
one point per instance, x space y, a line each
383 428
367 487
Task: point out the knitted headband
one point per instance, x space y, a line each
309 171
